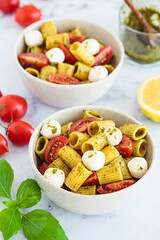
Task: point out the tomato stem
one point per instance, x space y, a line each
3 126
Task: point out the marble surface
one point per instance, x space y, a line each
140 218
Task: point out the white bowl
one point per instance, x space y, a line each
71 95
83 204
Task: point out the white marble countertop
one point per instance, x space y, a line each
140 218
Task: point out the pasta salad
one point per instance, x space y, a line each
65 57
92 156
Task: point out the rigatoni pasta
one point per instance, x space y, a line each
40 148
54 40
76 139
110 153
99 126
65 129
91 113
46 72
59 163
87 190
48 29
65 68
139 148
133 131
33 72
81 71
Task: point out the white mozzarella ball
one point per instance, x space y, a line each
51 129
55 176
114 135
92 45
55 55
33 38
138 166
93 160
97 73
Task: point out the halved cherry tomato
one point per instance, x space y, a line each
3 145
27 15
1 94
73 38
114 187
8 6
33 60
92 180
55 144
69 58
125 147
12 107
82 124
63 79
104 56
43 168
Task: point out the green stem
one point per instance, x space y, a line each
3 126
3 106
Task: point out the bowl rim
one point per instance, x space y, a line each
46 83
75 195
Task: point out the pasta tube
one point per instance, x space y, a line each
33 72
139 148
127 160
110 173
77 177
99 126
76 31
110 153
81 71
41 145
46 72
34 49
65 68
124 168
76 139
91 113
48 29
69 156
133 131
85 81
87 190
97 142
54 40
82 54
65 129
58 163
110 68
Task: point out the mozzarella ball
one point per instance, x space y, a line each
33 38
138 166
55 176
97 73
55 55
93 160
114 135
51 129
92 45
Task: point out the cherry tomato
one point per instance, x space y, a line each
33 60
55 144
63 79
1 94
27 15
19 132
82 124
8 6
92 180
69 58
125 147
3 145
43 168
104 56
73 38
114 187
12 107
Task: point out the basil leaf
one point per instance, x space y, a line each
28 194
10 222
11 203
41 225
6 179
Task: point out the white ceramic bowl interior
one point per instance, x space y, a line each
83 204
71 95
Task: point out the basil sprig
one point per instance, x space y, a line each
38 224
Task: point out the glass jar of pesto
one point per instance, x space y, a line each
140 46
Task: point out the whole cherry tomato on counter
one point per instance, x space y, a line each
82 124
12 107
125 147
27 15
3 145
8 6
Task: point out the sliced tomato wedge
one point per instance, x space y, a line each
82 124
92 180
43 168
73 38
125 147
63 79
104 56
114 187
69 58
55 144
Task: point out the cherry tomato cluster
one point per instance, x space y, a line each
13 108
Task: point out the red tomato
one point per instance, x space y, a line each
104 56
27 15
1 94
13 107
125 147
8 6
82 124
43 168
69 58
33 60
63 79
3 145
92 180
73 38
55 144
19 132
114 187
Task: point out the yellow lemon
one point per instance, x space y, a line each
149 97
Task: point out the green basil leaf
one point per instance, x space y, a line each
10 222
11 203
6 179
28 194
41 225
